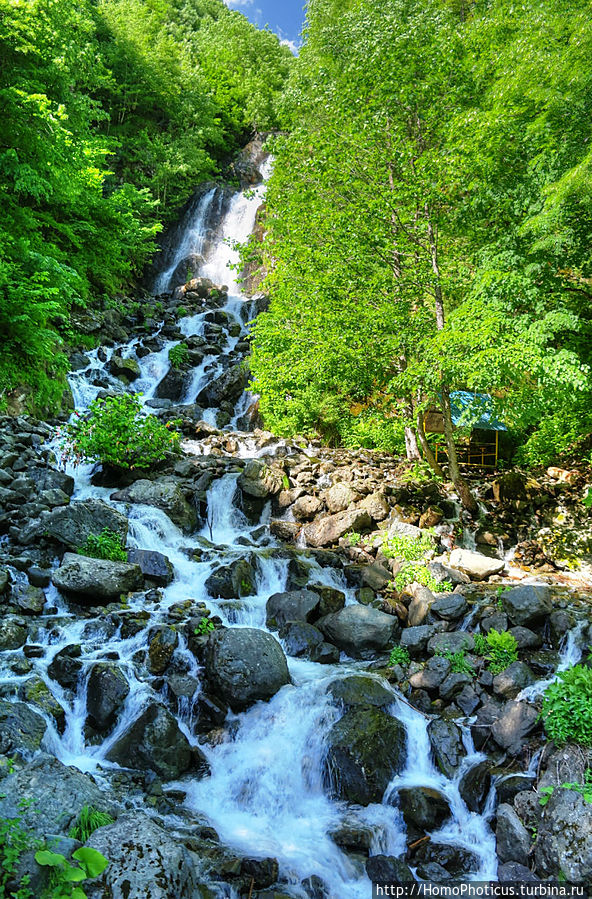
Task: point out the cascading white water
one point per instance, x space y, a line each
192 242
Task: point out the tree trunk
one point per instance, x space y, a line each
411 447
426 448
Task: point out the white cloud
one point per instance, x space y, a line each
237 4
292 45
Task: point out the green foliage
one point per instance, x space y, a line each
415 573
179 355
205 626
459 664
89 820
502 650
106 545
353 538
399 656
585 789
404 546
14 841
65 876
567 707
117 432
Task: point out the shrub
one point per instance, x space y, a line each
116 432
502 650
89 820
399 656
179 355
459 664
404 546
414 573
205 626
14 841
106 545
66 877
567 707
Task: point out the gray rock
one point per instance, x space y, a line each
366 748
360 690
360 631
527 606
126 370
388 869
468 700
306 507
511 872
376 506
46 478
300 638
415 639
339 497
376 576
154 565
28 599
232 581
455 641
423 807
516 721
447 745
476 565
227 387
72 525
450 606
13 633
164 494
260 480
432 675
332 600
513 839
4 578
173 385
96 580
296 605
244 665
21 729
525 638
36 692
154 742
65 667
512 680
454 684
475 784
328 530
162 646
145 861
420 605
106 693
325 654
53 796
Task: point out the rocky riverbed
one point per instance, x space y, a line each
227 693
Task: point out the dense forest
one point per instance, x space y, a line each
429 223
113 113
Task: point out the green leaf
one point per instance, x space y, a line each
92 860
49 859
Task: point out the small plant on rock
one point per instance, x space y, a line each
106 545
179 355
407 547
89 820
353 538
116 432
205 626
14 841
65 876
459 664
567 707
416 573
499 649
399 656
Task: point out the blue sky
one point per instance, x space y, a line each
285 17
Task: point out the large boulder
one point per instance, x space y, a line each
360 631
513 839
232 581
260 480
21 729
514 723
126 370
366 748
51 479
447 745
360 690
424 808
512 680
477 566
244 665
96 580
106 693
528 605
564 841
154 742
145 860
49 796
302 639
295 605
164 494
339 497
155 566
475 784
329 530
227 387
13 633
376 506
71 525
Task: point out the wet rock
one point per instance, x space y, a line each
127 370
296 605
525 638
516 721
513 839
244 665
512 680
164 494
232 581
161 648
263 872
432 675
423 808
260 480
96 580
457 861
72 525
474 786
450 607
420 605
507 788
527 606
468 700
173 385
4 578
415 639
145 860
39 577
360 631
46 478
154 742
21 729
512 872
332 600
154 565
66 666
107 691
388 869
52 796
325 654
29 600
300 639
353 835
227 387
360 690
376 576
454 684
13 633
477 566
366 748
36 692
306 507
328 530
376 506
286 531
447 745
454 641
